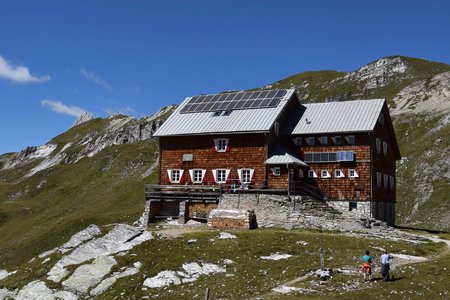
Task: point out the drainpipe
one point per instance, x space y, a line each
289 180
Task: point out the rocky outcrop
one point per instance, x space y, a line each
83 118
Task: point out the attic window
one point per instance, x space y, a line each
216 113
337 140
350 139
381 119
227 112
323 140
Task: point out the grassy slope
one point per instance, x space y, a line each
104 189
253 276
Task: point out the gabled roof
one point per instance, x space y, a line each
281 156
183 122
283 159
333 117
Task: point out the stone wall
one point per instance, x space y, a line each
287 212
352 209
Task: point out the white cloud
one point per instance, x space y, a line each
59 107
19 74
119 111
96 79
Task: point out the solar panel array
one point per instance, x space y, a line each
232 101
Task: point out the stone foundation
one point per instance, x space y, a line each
352 209
194 210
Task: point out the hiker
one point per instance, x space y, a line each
385 265
367 265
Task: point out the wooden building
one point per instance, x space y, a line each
343 152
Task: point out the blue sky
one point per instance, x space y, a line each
60 58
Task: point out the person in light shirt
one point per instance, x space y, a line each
385 260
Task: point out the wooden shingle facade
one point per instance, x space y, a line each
343 152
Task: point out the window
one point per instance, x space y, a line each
386 180
323 140
324 174
175 175
350 139
276 171
378 179
337 140
381 119
385 148
391 181
352 173
245 177
300 173
338 173
310 141
227 112
220 175
221 145
198 176
312 174
297 141
216 113
378 144
352 205
344 156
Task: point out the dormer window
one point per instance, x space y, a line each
337 140
350 139
216 113
297 141
323 140
310 141
227 112
221 145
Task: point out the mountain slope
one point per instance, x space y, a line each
418 93
93 173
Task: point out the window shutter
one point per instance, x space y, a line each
203 176
191 175
216 145
227 175
169 177
214 173
181 176
385 148
252 171
239 171
227 147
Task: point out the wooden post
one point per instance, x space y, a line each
207 294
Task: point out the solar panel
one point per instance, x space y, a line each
229 101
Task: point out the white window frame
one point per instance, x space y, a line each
310 141
221 144
324 173
276 171
379 175
219 179
221 175
312 174
173 177
385 181
338 173
392 182
323 140
337 140
351 140
378 145
246 176
385 148
197 176
300 173
352 173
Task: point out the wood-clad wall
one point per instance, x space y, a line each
245 151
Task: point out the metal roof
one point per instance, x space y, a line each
280 159
331 117
238 121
